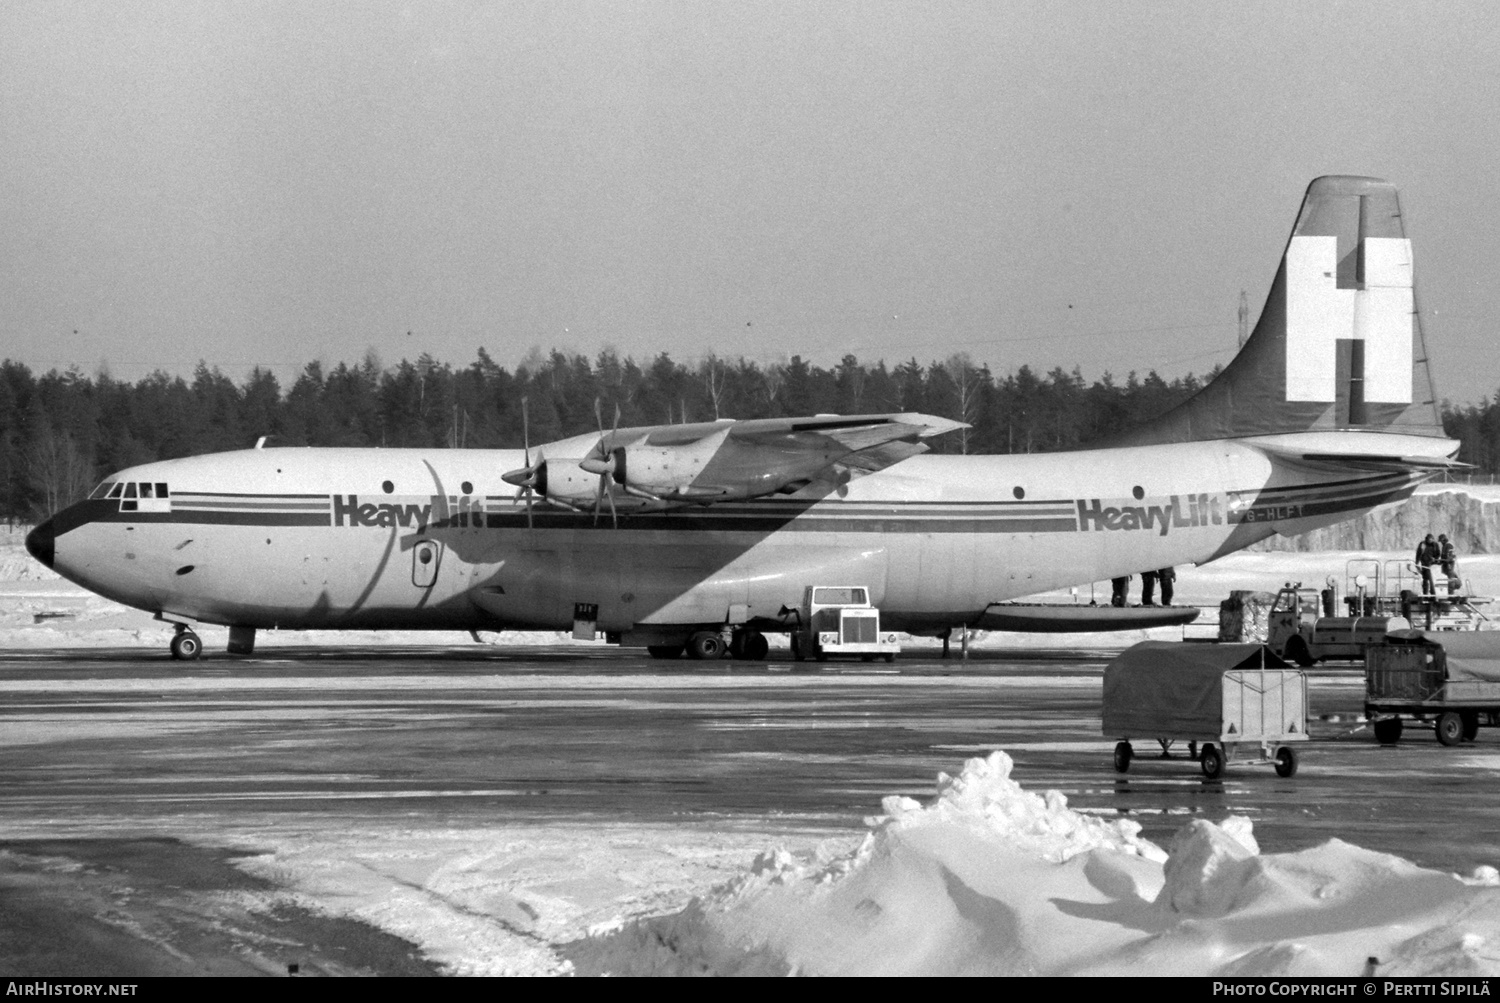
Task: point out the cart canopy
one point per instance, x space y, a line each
1470 655
1168 689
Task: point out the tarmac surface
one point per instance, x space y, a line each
128 782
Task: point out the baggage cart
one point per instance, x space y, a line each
1449 679
1232 703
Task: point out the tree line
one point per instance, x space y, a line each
61 432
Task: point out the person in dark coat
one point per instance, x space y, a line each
1148 588
1428 554
1167 577
1122 591
1448 561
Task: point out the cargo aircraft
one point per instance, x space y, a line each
692 537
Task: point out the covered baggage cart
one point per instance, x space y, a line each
1231 702
1449 678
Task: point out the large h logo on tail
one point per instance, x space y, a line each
1374 314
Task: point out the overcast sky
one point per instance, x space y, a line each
1050 183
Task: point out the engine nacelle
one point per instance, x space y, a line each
718 467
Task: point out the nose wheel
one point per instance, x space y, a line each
186 646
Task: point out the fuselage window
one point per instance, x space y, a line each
102 491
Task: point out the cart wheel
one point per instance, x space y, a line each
1123 753
1471 725
1286 761
1450 728
1212 762
1388 730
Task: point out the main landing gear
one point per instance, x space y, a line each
185 644
709 645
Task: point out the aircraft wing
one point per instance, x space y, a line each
726 460
858 431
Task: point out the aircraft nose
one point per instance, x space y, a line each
39 543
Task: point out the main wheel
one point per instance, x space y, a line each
1450 728
1471 725
1286 761
705 645
737 645
757 647
1388 730
186 646
1123 752
664 650
1212 762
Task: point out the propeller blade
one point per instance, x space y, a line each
525 432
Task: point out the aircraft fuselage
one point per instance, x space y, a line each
432 539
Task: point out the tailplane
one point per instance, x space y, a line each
1339 344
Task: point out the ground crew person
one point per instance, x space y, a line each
1148 588
1448 561
1428 554
1167 576
1122 591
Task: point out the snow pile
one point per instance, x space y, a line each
991 879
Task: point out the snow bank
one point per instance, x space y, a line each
991 879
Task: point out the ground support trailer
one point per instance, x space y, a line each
1232 703
1448 679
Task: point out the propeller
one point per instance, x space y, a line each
528 479
604 465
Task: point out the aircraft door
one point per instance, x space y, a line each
425 557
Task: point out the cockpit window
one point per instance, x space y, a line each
148 490
102 491
129 489
161 489
118 488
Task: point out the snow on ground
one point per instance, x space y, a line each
986 879
990 879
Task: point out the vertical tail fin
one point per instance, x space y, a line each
1339 344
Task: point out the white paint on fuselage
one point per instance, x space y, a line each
900 531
